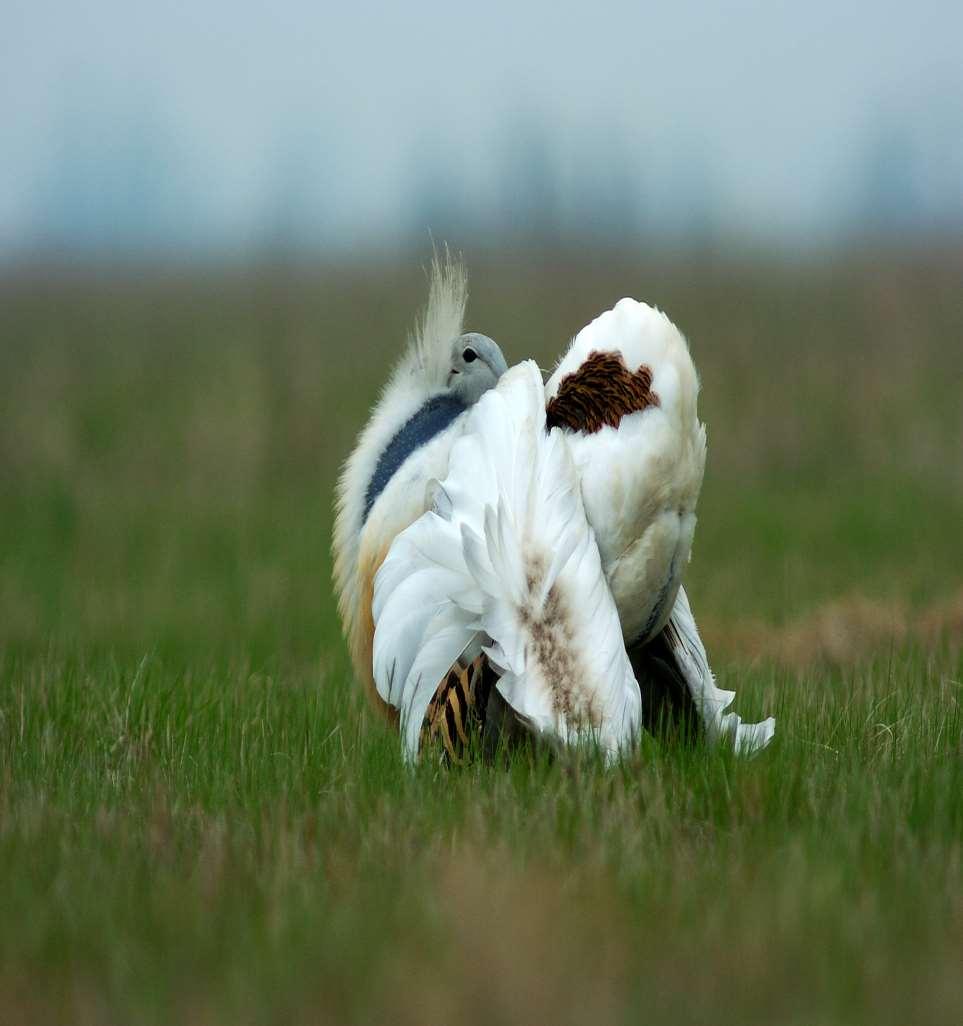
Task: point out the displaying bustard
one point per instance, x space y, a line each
508 553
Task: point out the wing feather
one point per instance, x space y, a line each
686 645
511 554
627 390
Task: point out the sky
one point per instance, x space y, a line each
349 125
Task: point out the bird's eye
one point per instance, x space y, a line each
469 356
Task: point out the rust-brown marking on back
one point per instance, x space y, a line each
601 392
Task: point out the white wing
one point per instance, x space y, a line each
641 481
683 638
419 630
509 552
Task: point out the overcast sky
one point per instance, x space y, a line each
770 105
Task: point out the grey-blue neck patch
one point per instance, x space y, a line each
433 417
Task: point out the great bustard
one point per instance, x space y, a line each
505 546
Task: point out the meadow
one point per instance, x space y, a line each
202 823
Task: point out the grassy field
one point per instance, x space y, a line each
201 823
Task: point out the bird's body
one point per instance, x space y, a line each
504 545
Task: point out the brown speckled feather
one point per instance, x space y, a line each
601 392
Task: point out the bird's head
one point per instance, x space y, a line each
476 365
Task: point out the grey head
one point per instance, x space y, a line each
476 365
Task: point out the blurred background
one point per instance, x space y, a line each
226 131
213 223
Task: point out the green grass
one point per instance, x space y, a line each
241 847
200 822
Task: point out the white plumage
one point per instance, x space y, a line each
507 552
361 540
556 553
711 702
641 480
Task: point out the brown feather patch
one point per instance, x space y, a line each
601 392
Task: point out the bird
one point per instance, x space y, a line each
508 553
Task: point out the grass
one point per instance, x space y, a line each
201 823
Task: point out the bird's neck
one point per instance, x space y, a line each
431 418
